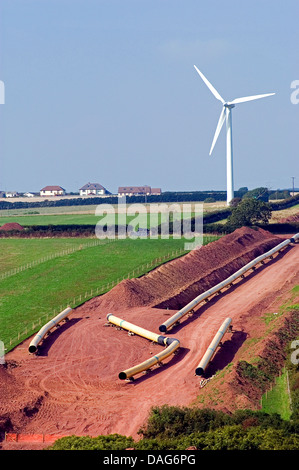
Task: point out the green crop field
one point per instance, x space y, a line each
42 289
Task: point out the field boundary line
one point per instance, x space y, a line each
59 254
77 300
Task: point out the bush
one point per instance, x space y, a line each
261 194
278 228
170 421
249 212
235 201
289 202
177 428
110 442
209 200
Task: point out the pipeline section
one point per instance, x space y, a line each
200 298
47 327
171 344
207 357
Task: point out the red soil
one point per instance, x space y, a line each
12 226
72 387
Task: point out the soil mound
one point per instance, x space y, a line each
17 403
177 282
10 388
12 226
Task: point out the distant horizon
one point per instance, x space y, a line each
70 192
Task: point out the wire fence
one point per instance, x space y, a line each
77 300
51 256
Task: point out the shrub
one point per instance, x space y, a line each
249 212
209 200
110 442
170 421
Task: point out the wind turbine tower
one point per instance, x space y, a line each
226 115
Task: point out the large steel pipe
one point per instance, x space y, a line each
171 344
47 327
294 238
207 357
205 295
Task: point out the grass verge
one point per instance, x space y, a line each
277 400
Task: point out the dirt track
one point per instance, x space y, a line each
72 387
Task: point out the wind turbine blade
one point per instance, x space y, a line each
249 98
218 128
210 86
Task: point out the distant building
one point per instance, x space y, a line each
91 189
2 193
52 191
11 194
29 194
138 191
156 191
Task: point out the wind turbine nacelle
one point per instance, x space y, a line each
228 105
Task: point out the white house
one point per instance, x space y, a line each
52 191
91 189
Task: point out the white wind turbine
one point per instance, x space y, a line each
226 114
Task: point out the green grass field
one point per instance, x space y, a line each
18 252
51 219
277 400
72 278
145 220
86 215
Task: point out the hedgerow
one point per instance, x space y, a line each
178 428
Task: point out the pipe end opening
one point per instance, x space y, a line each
122 375
199 371
162 328
32 349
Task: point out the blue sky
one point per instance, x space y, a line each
105 91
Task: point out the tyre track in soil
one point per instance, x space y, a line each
78 373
